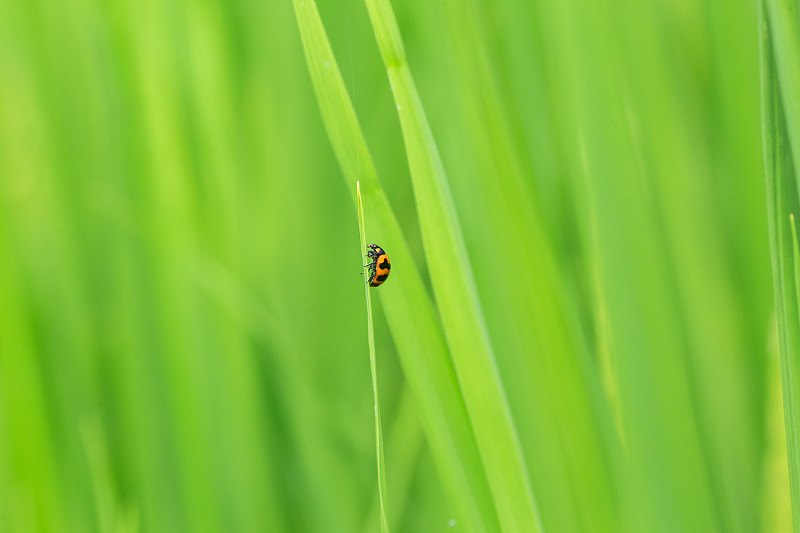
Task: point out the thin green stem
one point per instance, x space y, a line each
373 369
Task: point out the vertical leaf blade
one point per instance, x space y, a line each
779 81
455 291
410 314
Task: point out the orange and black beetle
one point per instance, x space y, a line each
379 267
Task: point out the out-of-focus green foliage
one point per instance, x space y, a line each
183 341
780 85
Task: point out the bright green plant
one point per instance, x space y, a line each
581 332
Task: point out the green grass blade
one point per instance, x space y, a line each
410 314
780 80
547 371
405 443
784 38
776 500
373 370
796 260
455 290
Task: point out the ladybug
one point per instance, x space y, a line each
379 267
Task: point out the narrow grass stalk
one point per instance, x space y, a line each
780 83
455 291
796 257
406 442
784 39
373 369
410 314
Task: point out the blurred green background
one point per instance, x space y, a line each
182 326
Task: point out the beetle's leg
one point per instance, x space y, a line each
371 272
